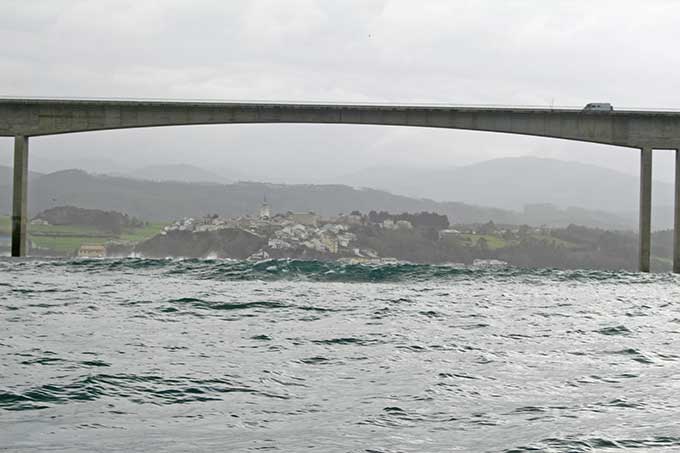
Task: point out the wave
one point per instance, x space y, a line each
577 445
328 271
140 389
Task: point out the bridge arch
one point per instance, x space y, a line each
645 130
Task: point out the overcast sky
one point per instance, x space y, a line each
531 52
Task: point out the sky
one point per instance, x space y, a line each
498 52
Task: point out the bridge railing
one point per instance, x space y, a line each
329 102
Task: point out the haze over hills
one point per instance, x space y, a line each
508 183
163 201
170 200
513 190
182 172
175 172
511 183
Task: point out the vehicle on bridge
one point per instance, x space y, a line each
598 107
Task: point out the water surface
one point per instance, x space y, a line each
178 355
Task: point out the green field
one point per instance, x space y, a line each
493 242
496 242
141 234
67 239
554 241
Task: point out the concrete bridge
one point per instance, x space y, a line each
644 130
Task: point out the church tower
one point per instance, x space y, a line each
265 212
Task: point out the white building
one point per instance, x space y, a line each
448 234
344 239
92 251
279 244
404 225
388 224
330 242
260 255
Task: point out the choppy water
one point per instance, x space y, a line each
168 355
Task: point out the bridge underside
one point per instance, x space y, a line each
646 131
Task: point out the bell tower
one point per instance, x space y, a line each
265 211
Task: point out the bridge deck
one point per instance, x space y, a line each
634 128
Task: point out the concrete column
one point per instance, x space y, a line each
676 230
645 208
19 208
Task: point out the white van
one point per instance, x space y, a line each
598 107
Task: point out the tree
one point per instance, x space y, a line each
488 228
523 231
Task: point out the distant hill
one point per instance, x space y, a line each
412 182
103 220
176 172
594 195
160 201
511 183
169 200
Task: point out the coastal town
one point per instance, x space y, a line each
345 237
373 237
293 231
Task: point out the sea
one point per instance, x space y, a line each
171 355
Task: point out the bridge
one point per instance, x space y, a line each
643 130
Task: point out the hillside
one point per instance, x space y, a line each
161 201
170 200
110 221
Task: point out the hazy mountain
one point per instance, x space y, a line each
175 172
399 180
171 200
511 183
42 163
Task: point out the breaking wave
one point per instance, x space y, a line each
328 271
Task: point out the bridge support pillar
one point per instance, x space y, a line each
645 229
676 229
19 199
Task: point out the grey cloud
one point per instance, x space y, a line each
489 52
